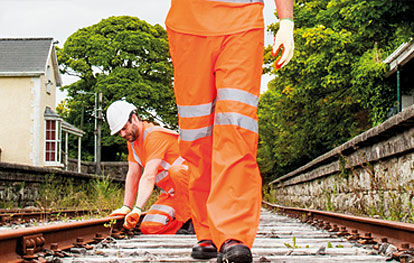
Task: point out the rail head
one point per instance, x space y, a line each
398 233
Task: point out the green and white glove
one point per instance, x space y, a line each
124 210
132 218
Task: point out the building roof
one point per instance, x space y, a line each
51 114
27 57
66 126
401 56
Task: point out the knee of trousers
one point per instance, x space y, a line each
158 228
158 219
152 228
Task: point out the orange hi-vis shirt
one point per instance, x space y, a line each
157 143
214 17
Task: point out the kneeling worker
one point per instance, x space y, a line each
156 150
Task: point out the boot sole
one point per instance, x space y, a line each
235 256
203 255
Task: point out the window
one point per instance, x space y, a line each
52 139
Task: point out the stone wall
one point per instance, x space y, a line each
20 184
112 169
370 175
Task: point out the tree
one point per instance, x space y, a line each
333 89
122 57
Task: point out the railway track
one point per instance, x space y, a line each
10 217
280 238
399 234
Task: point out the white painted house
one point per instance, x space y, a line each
31 132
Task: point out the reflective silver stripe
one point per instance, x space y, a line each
161 175
162 219
194 134
135 154
152 129
239 1
164 208
171 192
178 161
237 95
192 111
165 165
232 118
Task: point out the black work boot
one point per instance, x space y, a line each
204 249
186 229
233 251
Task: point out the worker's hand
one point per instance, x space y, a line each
132 218
124 210
284 40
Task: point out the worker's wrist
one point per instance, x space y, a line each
286 25
130 208
288 19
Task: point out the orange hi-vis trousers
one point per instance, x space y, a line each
160 218
169 212
217 87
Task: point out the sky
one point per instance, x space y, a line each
61 18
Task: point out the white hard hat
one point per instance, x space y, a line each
117 115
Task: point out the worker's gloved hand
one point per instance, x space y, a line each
132 218
284 40
124 210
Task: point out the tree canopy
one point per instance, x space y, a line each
122 57
334 87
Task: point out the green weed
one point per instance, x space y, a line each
294 245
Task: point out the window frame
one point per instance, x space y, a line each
57 140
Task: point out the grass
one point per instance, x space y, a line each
99 195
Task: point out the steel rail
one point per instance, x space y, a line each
18 210
18 215
399 234
15 245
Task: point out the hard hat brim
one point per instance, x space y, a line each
119 127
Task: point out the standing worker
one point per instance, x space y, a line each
156 150
217 52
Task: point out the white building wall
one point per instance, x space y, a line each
37 123
16 119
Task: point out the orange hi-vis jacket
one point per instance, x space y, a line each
171 209
214 18
217 51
